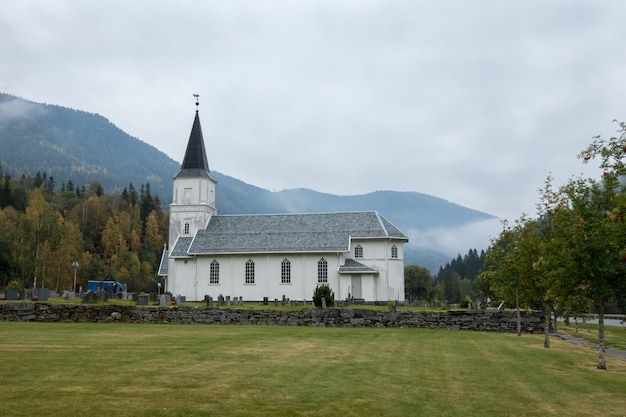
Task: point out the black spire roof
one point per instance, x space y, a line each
195 163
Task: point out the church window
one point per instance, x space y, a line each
186 228
394 251
358 251
249 272
188 196
285 272
214 273
322 270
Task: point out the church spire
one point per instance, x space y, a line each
195 163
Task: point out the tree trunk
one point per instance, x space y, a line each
519 317
601 359
547 313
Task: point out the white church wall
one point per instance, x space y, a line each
267 276
194 190
193 278
177 285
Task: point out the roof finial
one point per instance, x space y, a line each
197 96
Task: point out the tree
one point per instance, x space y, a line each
40 226
508 266
323 291
418 283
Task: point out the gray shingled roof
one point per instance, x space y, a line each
164 265
181 247
323 232
350 266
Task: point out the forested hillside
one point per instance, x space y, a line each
78 146
42 231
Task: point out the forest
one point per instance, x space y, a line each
44 228
455 283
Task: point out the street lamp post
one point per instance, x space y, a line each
75 265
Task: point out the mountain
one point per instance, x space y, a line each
74 145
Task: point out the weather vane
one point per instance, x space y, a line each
197 96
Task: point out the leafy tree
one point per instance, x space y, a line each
574 253
9 221
598 233
40 226
418 283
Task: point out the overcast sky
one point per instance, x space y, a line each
474 101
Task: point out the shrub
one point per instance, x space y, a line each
14 285
323 291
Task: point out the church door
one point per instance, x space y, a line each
356 286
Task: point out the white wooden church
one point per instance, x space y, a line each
358 254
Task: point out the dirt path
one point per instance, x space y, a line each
577 340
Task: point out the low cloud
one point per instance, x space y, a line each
13 109
457 240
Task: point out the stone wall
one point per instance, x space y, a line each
492 321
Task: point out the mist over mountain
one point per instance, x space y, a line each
82 147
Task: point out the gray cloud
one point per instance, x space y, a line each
475 102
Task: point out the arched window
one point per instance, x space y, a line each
285 272
358 251
214 273
186 228
394 251
249 272
322 270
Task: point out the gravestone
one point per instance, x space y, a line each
143 299
209 300
323 302
220 300
228 300
265 301
12 295
178 300
162 301
103 295
41 294
90 297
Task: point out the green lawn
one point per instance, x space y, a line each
75 369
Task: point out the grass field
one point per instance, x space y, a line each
74 369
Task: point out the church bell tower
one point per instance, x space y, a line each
193 200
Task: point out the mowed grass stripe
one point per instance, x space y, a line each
171 370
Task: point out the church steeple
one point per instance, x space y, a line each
193 199
195 163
